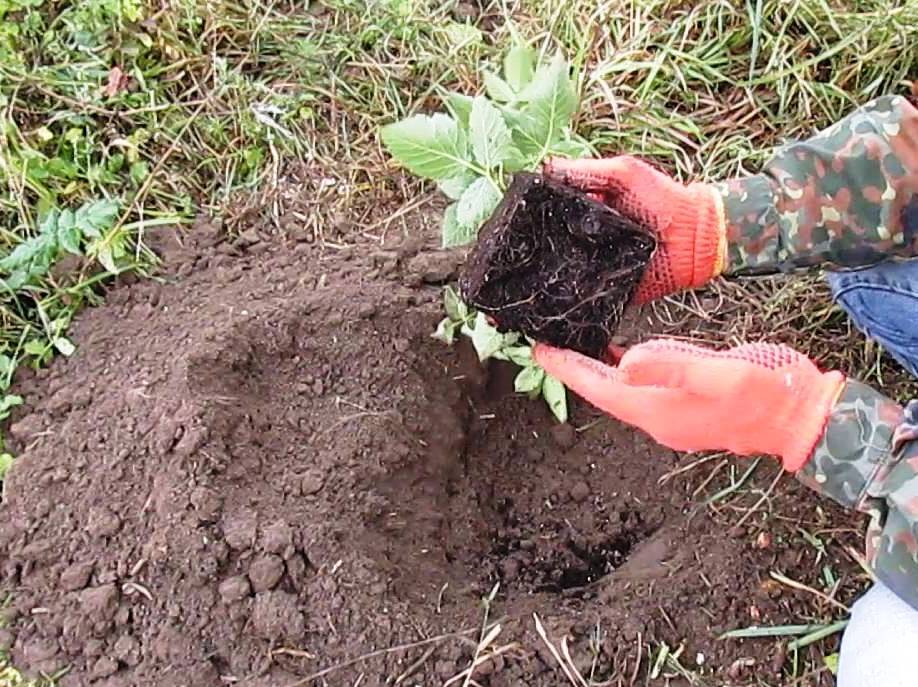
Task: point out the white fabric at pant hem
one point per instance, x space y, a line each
880 644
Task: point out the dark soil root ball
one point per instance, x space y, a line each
556 265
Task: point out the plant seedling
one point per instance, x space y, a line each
471 152
556 265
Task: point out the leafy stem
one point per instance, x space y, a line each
525 116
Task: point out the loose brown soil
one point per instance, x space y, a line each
556 265
262 468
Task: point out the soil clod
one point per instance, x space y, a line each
556 265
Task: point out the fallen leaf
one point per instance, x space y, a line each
117 81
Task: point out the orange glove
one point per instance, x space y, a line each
757 398
688 220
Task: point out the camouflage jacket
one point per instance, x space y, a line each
847 197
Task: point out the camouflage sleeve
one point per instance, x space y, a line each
848 196
868 460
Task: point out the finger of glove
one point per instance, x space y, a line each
607 174
599 384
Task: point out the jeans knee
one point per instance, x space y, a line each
883 303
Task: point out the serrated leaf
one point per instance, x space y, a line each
97 217
454 232
489 134
64 345
519 67
68 233
552 102
477 204
454 187
498 89
430 146
461 107
555 396
529 380
446 331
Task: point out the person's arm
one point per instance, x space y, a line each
846 197
838 436
867 460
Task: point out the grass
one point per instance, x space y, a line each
215 102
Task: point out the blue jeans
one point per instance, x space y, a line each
883 302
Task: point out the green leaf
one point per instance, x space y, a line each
446 331
489 135
552 102
139 171
455 308
455 233
64 345
529 380
429 146
35 347
68 233
97 217
6 462
519 67
454 187
520 355
105 256
477 204
831 662
573 148
7 403
461 107
497 88
461 35
555 396
487 340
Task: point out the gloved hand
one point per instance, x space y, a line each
756 398
688 220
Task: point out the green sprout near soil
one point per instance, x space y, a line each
525 117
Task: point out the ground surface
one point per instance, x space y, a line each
262 467
142 477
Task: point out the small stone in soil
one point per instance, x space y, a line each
277 537
265 572
564 435
240 528
276 616
235 588
104 667
311 482
100 603
76 577
580 492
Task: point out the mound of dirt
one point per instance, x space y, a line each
262 470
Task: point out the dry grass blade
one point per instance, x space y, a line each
793 584
570 672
